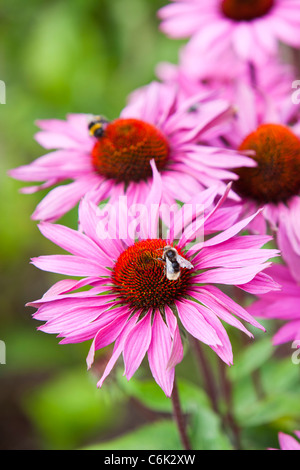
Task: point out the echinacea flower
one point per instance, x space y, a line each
223 76
282 305
273 137
131 302
287 442
153 126
252 28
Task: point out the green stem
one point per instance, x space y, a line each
229 417
179 417
208 377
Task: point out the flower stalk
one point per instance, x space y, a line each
179 417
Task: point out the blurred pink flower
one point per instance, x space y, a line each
282 305
288 442
270 134
252 29
132 303
154 125
222 76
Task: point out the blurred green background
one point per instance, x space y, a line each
86 56
58 57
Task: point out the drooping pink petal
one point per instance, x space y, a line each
193 320
107 335
159 353
288 442
224 350
222 311
176 354
136 345
118 348
230 304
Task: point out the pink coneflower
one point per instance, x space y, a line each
131 302
283 305
272 135
117 162
223 76
252 28
288 442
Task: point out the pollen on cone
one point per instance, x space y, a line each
139 276
241 10
277 176
124 152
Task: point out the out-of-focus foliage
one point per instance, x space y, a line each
68 410
59 57
73 56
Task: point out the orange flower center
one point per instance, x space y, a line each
125 149
139 277
246 10
277 175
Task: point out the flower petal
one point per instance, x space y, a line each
192 316
136 345
159 353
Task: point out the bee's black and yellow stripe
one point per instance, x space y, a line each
97 126
94 128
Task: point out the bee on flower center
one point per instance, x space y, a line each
142 279
124 148
97 125
173 262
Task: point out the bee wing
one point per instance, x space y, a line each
184 263
90 118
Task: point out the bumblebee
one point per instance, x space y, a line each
174 262
97 125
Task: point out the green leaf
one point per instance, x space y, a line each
278 376
206 431
161 435
30 350
148 393
152 396
251 358
270 409
70 408
204 427
281 386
